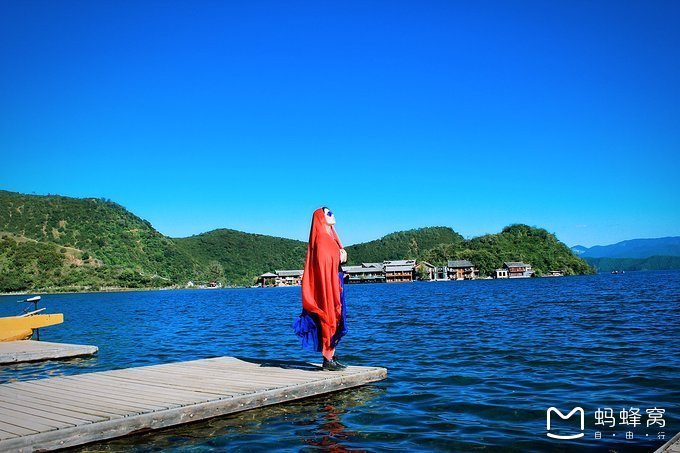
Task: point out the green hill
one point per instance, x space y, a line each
26 264
104 231
410 244
56 243
534 246
63 243
242 256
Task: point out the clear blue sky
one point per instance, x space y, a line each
249 115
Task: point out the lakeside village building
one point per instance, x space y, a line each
404 271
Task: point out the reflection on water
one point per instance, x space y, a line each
39 370
314 422
331 431
471 365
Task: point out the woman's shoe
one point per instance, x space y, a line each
335 359
332 365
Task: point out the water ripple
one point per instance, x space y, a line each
472 365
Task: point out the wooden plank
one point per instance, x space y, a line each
248 381
160 381
28 422
67 420
198 390
174 396
95 392
217 385
123 393
261 370
274 365
247 376
213 384
56 403
219 388
257 375
254 373
74 392
33 351
74 396
105 388
6 435
52 399
230 364
147 388
672 446
17 431
53 409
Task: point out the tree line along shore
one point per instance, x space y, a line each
51 243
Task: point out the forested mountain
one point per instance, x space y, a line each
26 265
56 243
104 231
410 244
63 243
437 245
239 256
534 246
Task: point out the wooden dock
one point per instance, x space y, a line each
672 446
33 351
66 411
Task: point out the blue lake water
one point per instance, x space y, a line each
471 365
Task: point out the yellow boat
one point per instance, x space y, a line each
21 327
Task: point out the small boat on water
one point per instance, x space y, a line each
21 327
618 272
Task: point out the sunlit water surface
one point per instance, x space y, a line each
471 365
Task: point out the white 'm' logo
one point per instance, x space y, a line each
564 417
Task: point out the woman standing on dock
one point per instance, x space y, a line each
322 322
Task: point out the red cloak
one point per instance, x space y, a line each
321 289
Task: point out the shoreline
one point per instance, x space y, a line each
173 288
114 290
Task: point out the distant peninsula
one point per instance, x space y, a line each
51 243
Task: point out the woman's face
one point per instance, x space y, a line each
328 215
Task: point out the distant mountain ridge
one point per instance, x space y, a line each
55 243
652 263
633 248
579 250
